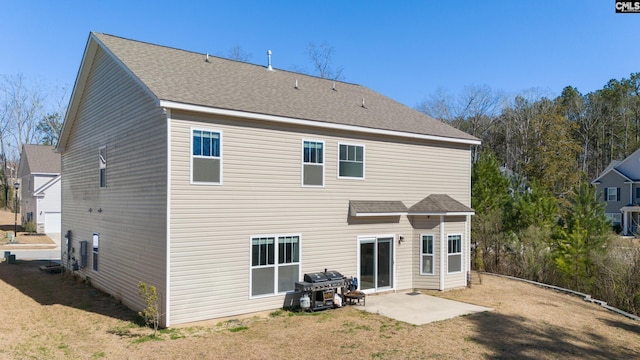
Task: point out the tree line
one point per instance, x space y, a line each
554 140
537 215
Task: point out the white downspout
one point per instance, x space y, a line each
442 250
167 293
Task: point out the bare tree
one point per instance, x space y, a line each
24 108
321 57
475 110
237 53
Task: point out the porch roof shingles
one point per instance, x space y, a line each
376 208
440 204
186 77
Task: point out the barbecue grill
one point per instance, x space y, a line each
321 288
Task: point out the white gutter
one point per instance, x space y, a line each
460 213
380 214
318 124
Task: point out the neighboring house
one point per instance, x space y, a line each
619 187
221 183
40 185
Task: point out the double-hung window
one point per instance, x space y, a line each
206 156
426 257
102 165
612 194
454 253
275 264
351 161
312 163
96 248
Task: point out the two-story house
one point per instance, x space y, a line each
619 187
222 182
39 179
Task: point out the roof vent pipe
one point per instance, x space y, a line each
334 86
363 103
269 57
207 59
296 83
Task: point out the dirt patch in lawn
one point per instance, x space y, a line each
7 225
54 316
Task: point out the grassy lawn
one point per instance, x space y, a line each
53 316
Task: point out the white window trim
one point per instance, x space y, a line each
615 193
364 161
302 163
191 156
95 252
275 265
452 254
422 254
102 164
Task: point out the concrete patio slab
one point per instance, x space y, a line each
418 308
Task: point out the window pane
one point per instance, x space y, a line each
427 264
352 153
288 249
455 263
351 169
197 142
270 252
206 143
427 244
343 152
262 281
306 152
206 170
255 253
454 244
313 175
215 144
287 277
359 153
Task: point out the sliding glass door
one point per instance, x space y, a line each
376 263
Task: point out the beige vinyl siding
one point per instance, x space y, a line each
427 226
130 213
262 194
455 225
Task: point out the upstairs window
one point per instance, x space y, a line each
612 194
312 163
206 157
102 165
351 161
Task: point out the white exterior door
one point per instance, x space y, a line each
52 222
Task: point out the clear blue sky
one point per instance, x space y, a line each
403 49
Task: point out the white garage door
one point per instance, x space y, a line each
52 222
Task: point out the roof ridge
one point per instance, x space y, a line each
225 59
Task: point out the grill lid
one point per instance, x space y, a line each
333 275
315 277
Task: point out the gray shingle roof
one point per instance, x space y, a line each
370 208
41 159
439 204
185 77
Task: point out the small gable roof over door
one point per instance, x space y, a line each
440 204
